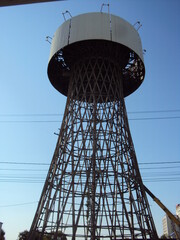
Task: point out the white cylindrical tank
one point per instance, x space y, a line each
95 31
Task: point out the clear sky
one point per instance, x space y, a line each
31 109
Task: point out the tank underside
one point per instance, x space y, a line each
128 62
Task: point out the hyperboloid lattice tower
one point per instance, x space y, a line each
94 189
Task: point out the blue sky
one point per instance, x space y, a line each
27 136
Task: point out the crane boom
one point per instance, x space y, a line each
170 215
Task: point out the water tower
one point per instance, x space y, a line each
94 189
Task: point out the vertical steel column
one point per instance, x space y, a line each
93 224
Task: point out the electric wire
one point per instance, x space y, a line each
161 176
33 179
40 178
17 204
61 114
11 115
25 163
57 121
154 111
47 164
42 170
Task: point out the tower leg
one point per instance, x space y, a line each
94 189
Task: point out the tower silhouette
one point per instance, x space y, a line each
94 189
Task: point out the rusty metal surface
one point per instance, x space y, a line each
4 3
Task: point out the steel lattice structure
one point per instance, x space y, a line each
94 188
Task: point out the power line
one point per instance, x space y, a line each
41 176
33 176
25 163
18 204
23 169
154 168
45 170
60 114
145 180
41 179
31 115
47 164
31 121
57 121
155 111
152 180
39 163
158 162
154 118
